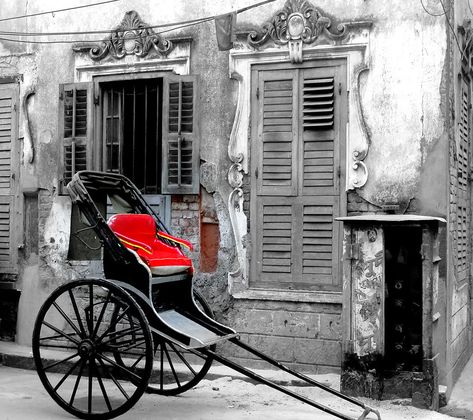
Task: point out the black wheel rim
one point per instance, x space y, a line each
176 369
78 331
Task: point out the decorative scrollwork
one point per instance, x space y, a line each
30 152
131 37
237 154
359 155
298 22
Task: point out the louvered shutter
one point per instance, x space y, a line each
274 161
180 168
8 169
75 127
463 202
277 157
320 157
298 130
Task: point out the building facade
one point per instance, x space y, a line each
320 166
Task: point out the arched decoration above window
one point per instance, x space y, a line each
131 37
299 22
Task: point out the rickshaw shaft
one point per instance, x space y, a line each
305 378
269 383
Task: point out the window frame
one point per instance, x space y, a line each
96 147
341 118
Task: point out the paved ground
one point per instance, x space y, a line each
460 404
23 397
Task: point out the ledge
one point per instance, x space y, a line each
291 296
391 218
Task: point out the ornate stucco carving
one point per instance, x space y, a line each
299 22
237 279
30 149
360 152
131 37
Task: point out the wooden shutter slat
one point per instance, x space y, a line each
318 103
277 240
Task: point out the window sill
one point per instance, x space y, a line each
291 296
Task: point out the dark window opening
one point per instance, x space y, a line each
132 131
403 319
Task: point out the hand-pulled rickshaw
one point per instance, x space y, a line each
99 344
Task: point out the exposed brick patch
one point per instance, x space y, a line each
357 204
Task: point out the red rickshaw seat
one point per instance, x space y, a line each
138 232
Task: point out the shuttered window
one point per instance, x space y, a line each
297 133
462 237
180 173
8 174
75 127
147 130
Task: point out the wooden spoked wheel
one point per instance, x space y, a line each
175 369
79 329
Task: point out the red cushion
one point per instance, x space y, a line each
138 232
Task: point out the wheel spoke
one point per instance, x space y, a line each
115 381
172 366
63 334
137 361
68 320
102 312
76 311
129 353
89 399
121 333
183 359
60 361
133 346
58 346
90 318
54 337
102 388
76 385
113 363
113 324
67 375
161 370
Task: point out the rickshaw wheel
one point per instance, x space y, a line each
79 328
178 370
